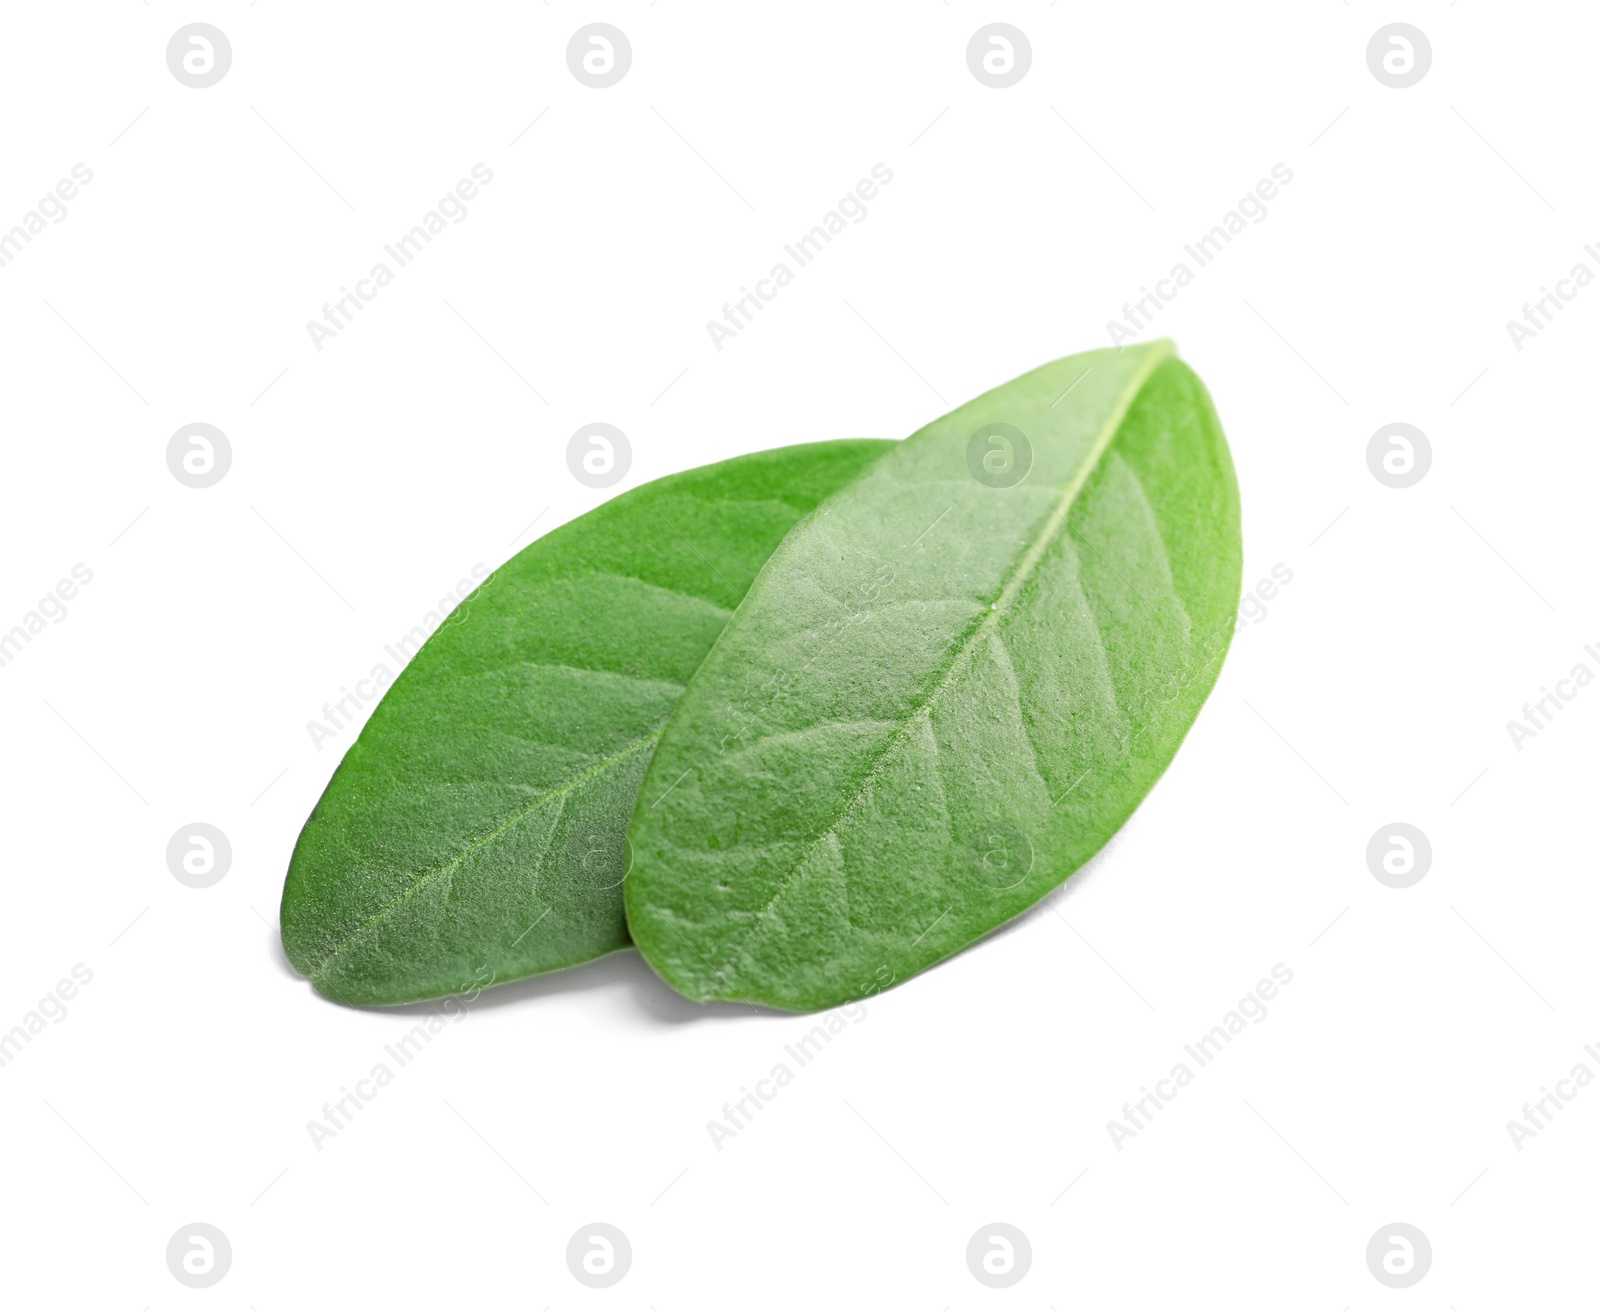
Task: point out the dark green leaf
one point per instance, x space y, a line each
475 832
948 688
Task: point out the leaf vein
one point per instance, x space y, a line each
965 647
448 866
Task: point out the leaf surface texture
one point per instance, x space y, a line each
475 831
942 697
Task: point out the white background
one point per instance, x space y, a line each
425 437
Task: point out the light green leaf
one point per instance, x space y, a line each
946 690
475 831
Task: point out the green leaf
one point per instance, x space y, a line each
475 831
944 693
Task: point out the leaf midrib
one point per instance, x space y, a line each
1026 564
452 862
